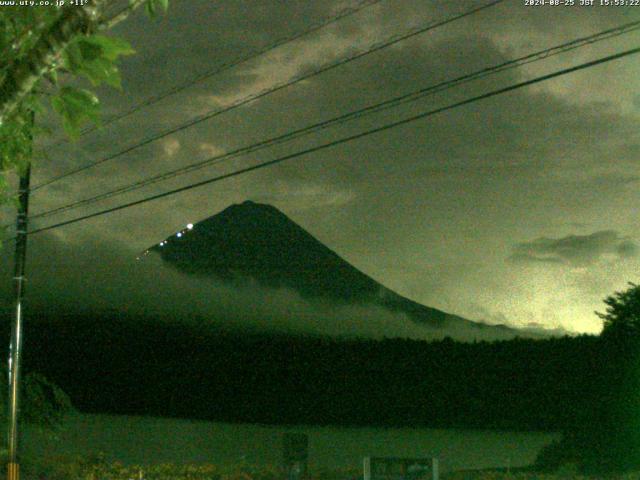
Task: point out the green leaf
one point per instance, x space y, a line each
102 70
152 6
16 141
76 106
95 57
72 57
4 186
89 50
33 102
111 47
164 4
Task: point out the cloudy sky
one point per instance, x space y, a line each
517 209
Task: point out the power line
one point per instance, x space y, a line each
349 138
390 103
226 66
296 79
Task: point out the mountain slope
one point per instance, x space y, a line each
257 241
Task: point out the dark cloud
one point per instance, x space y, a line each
108 278
627 249
575 250
460 186
528 257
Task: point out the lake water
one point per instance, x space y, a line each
144 440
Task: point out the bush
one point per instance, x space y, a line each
97 467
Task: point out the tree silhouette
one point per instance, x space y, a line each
622 317
605 437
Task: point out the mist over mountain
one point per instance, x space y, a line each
254 242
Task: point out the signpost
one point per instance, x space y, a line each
394 468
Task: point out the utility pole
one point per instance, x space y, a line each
13 467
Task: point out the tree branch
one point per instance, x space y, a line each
109 23
22 76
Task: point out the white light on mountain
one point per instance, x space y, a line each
190 226
179 234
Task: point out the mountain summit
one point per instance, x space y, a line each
257 241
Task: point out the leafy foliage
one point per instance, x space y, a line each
622 316
560 475
15 138
153 6
43 404
76 106
97 466
46 404
607 438
93 57
19 28
16 143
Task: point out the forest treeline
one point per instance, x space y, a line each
118 364
585 386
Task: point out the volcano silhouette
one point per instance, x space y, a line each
254 241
